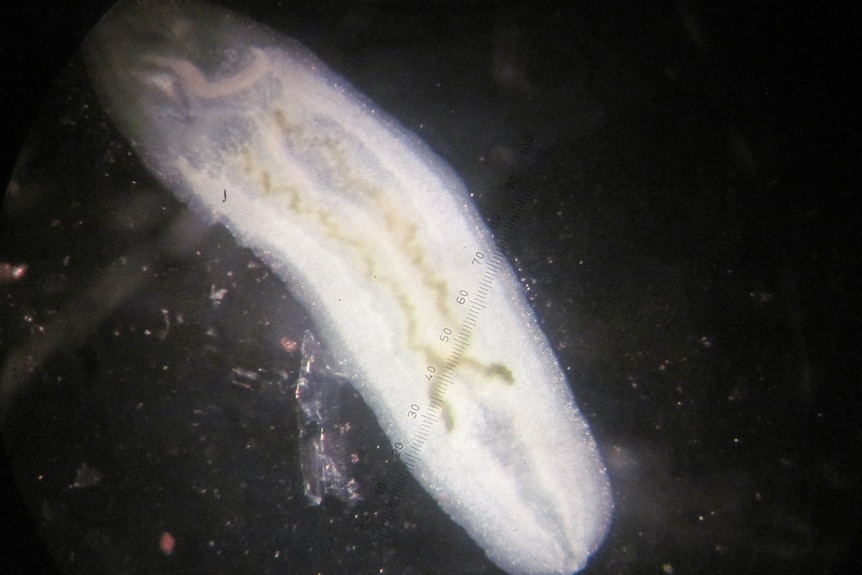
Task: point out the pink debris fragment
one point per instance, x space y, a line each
166 543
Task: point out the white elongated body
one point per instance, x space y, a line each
378 238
